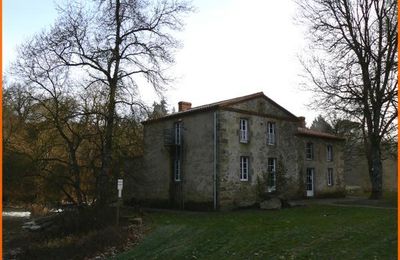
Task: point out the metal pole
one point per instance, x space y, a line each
117 220
120 184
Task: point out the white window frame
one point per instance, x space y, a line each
177 170
271 130
309 151
329 153
330 177
244 130
271 169
244 168
178 132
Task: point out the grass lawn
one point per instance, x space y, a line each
389 199
314 232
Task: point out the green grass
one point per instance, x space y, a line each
389 199
315 232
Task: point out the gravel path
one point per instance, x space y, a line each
351 202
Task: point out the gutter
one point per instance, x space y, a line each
215 162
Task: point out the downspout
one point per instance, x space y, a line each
181 155
215 162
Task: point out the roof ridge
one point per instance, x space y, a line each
228 101
223 103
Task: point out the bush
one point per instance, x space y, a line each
78 233
77 246
82 220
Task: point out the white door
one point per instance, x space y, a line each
310 182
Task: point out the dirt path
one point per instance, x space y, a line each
351 202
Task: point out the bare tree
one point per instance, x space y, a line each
354 67
16 108
53 104
115 45
37 134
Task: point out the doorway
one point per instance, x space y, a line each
310 182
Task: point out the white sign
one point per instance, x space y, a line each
120 184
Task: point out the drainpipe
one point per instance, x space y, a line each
215 161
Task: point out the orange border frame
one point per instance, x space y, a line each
1 127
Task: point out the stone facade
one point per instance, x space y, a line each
219 171
357 177
156 184
320 164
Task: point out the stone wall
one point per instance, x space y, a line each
156 173
321 165
232 191
198 154
357 176
390 175
289 151
261 105
157 184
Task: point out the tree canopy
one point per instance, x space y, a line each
353 68
82 76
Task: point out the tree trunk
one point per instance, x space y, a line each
375 171
113 81
107 153
76 173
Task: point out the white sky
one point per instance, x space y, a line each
231 48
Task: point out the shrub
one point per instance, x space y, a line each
77 246
76 221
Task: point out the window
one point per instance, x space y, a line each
271 133
271 174
309 151
178 128
244 131
330 176
329 153
177 170
244 168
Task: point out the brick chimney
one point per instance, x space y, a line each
302 121
183 106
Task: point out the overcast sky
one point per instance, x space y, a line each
231 48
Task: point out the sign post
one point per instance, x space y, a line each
120 185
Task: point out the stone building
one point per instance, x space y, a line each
235 153
356 174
